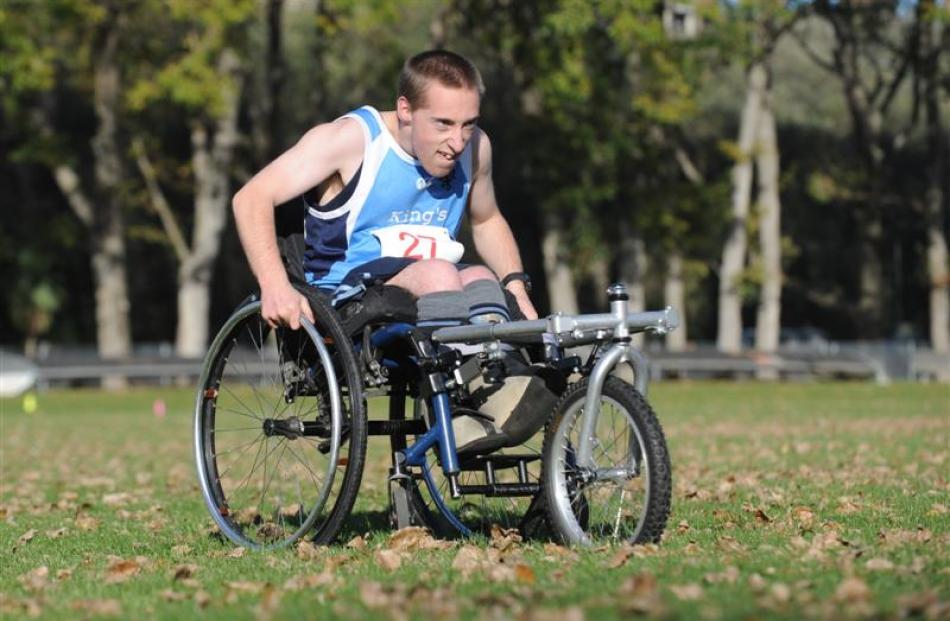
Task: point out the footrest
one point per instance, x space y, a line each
500 461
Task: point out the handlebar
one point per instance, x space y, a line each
567 329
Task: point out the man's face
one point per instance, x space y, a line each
441 126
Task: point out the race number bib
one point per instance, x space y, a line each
418 241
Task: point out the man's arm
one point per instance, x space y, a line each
490 231
319 154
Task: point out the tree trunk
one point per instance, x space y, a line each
557 269
768 318
211 165
106 226
674 294
633 267
729 332
932 35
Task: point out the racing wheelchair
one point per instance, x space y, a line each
281 422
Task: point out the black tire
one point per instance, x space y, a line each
255 379
633 506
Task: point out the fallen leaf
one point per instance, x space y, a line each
105 607
415 538
468 559
879 564
56 533
237 552
86 522
298 583
307 551
173 596
244 586
524 573
116 500
27 537
35 579
687 592
390 560
852 590
120 570
357 543
184 571
375 596
181 550
504 538
640 594
202 599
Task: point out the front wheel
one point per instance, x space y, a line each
626 495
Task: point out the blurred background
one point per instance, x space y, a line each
777 172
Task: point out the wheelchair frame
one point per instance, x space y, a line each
439 371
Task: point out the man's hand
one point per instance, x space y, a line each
517 289
282 305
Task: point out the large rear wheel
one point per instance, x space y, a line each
280 432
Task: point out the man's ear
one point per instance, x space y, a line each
404 110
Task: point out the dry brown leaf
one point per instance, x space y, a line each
35 579
415 538
852 590
116 500
780 592
761 517
687 592
104 607
185 571
375 596
571 613
181 550
120 570
468 559
729 575
64 574
804 515
86 522
504 538
640 594
237 552
202 598
26 537
879 564
244 586
357 543
298 583
524 573
173 596
390 560
56 533
307 551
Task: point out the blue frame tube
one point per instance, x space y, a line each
440 433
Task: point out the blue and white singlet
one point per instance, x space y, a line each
391 208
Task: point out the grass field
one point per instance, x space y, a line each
790 501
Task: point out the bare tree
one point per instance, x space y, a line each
729 332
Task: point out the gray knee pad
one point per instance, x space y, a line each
486 302
442 308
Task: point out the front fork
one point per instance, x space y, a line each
621 351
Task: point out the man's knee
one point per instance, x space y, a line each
476 272
429 276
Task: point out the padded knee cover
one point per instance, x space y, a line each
486 302
442 308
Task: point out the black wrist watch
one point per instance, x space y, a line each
517 276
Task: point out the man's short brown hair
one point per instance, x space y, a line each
447 68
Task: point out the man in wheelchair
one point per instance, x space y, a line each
375 271
385 195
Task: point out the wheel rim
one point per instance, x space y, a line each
265 483
610 509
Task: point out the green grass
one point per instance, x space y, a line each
790 501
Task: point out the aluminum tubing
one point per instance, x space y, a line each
595 384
